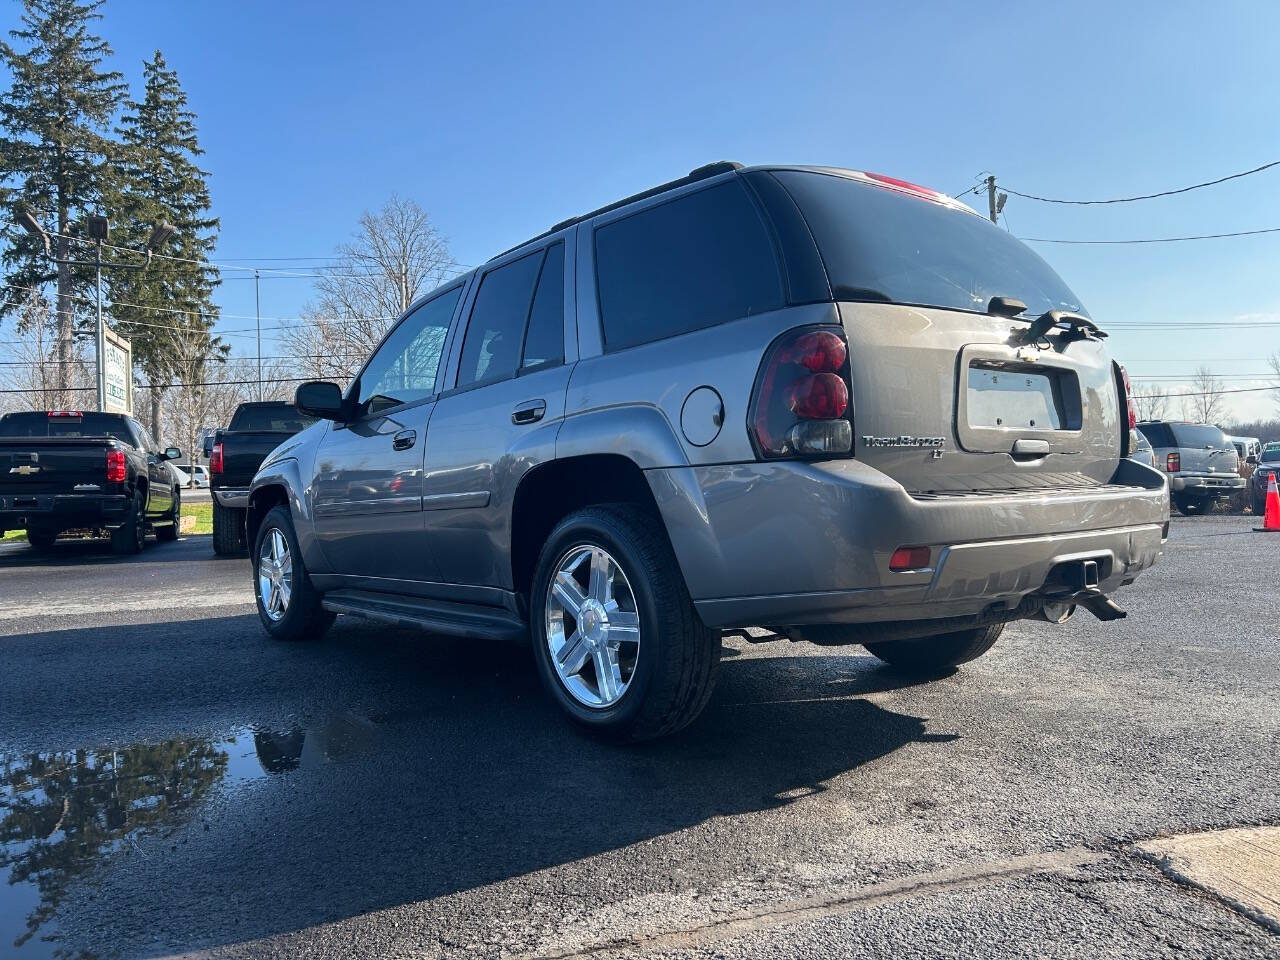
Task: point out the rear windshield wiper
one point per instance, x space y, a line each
1073 325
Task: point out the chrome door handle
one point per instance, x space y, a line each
531 411
404 440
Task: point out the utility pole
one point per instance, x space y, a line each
991 198
257 309
100 336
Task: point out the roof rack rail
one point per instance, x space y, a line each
698 173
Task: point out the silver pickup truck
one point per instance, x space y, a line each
828 402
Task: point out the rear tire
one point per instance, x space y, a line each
1259 505
939 653
301 616
168 532
228 530
131 536
41 539
673 669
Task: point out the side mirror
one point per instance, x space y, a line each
172 453
320 398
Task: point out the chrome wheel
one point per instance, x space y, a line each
592 626
275 574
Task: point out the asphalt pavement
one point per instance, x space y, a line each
173 783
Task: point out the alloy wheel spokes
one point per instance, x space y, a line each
592 626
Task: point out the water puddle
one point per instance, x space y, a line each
61 813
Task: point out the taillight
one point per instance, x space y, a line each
1128 398
909 558
215 458
1173 463
802 396
116 472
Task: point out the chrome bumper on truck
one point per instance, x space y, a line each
794 543
234 498
1221 485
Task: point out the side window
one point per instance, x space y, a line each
544 340
703 259
491 350
406 366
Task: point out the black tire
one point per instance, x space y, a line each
168 531
1191 506
678 656
1259 505
939 653
228 531
131 536
304 618
41 539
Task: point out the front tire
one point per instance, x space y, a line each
1259 505
617 642
939 653
41 539
228 530
288 605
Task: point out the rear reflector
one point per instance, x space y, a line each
909 558
116 472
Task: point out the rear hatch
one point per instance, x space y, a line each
945 396
1204 449
42 453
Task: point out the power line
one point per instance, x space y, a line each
1146 196
1202 236
1205 393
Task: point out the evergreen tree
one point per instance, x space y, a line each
167 310
55 150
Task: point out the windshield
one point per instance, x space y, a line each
41 424
890 247
275 417
1199 435
1271 455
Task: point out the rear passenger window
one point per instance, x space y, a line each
544 341
491 350
703 259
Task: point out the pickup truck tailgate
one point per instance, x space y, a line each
31 466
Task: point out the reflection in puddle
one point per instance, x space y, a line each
62 813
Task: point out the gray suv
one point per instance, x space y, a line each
830 403
1201 462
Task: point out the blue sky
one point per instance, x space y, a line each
501 119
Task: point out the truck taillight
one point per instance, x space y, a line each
1130 404
215 458
1173 463
116 472
801 399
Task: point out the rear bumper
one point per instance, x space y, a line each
66 511
235 498
789 544
1208 485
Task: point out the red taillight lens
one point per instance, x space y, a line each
1128 398
819 396
1173 463
116 472
909 558
801 400
215 458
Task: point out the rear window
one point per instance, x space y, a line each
699 260
884 246
276 418
40 424
1199 435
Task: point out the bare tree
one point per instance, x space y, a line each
396 255
50 373
1206 403
1152 403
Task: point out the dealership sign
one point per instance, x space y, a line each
118 373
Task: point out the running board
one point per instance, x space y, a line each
435 616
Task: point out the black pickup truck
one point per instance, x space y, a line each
67 470
235 454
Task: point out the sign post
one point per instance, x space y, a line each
117 373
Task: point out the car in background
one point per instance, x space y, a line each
71 470
1200 460
1246 447
199 476
234 457
1268 466
1142 450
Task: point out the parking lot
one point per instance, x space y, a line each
174 783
